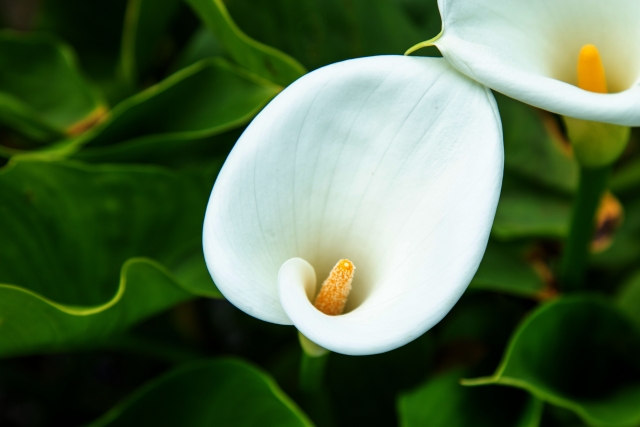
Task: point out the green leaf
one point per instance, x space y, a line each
472 336
255 57
476 331
91 250
174 151
94 29
42 92
525 210
320 32
145 288
424 14
204 100
351 380
532 413
579 353
203 44
625 250
540 175
532 150
628 298
627 178
145 23
443 402
505 268
220 393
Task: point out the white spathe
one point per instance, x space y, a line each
392 162
528 50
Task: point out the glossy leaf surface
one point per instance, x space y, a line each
535 147
526 210
443 402
625 250
579 353
42 92
223 393
145 23
505 268
320 32
255 57
81 269
629 298
94 29
201 101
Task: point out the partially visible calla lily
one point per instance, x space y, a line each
528 50
391 162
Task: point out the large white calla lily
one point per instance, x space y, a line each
528 50
392 162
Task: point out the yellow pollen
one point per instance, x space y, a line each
591 75
335 290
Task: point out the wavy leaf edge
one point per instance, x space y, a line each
545 395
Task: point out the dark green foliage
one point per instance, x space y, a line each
115 118
580 353
42 93
221 393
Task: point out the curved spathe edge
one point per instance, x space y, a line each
296 287
489 67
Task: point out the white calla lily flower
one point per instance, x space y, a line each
528 50
391 162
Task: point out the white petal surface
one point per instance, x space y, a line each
392 162
528 50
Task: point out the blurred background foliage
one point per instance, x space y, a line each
115 118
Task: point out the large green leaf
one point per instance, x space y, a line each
526 210
320 32
629 298
351 380
145 23
424 14
95 30
176 152
218 393
474 334
540 175
30 322
579 353
201 101
203 44
82 247
443 402
627 178
532 150
42 93
255 57
625 250
470 340
506 269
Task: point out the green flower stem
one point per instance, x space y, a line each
593 183
312 372
315 398
312 364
